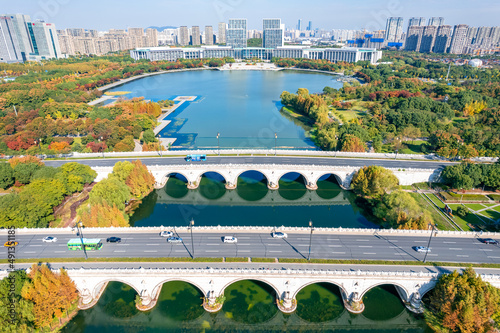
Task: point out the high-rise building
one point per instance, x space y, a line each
10 50
183 36
459 39
428 39
195 35
416 21
221 33
236 34
495 35
414 38
152 36
436 21
209 35
93 33
76 32
44 41
443 39
394 29
272 33
299 25
139 32
20 27
310 26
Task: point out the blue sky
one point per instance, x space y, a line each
328 14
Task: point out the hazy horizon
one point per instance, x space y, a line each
325 14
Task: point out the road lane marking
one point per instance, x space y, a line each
402 253
29 252
339 252
273 244
368 253
118 251
150 251
392 241
449 242
334 245
488 257
488 250
302 238
152 244
244 251
432 255
213 238
334 239
180 250
365 246
213 244
35 245
275 251
394 247
122 244
211 250
451 248
243 244
420 241
362 240
60 251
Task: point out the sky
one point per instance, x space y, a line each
326 14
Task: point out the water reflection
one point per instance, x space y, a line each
252 186
176 186
319 302
180 301
292 186
212 185
385 294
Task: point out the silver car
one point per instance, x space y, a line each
174 240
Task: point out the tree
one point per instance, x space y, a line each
103 215
110 191
74 175
140 181
51 293
352 143
10 293
148 136
462 211
374 181
462 303
24 172
6 176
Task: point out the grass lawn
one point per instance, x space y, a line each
495 197
441 223
414 147
422 186
406 187
436 200
350 114
497 208
475 206
465 197
494 215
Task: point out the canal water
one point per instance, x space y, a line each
243 106
250 306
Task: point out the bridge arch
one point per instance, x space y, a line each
303 174
166 176
158 286
276 290
337 177
238 175
97 291
401 289
339 285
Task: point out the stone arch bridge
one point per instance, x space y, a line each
272 172
286 282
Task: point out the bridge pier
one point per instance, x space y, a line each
353 303
87 300
192 185
272 185
286 303
230 185
312 186
413 302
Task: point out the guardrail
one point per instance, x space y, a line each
263 229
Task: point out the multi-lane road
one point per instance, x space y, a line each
353 162
209 244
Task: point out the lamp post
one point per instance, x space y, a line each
275 144
218 144
430 238
101 147
191 224
80 232
159 145
310 239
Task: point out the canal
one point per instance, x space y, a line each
244 108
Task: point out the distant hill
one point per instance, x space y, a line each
162 28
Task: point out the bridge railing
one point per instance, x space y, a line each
256 229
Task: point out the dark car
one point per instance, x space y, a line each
488 241
113 240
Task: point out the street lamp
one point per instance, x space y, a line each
159 145
429 243
396 154
310 239
218 144
79 226
101 147
191 224
275 143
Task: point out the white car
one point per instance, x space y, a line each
422 249
174 240
230 239
166 234
279 235
49 239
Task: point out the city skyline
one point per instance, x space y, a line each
369 14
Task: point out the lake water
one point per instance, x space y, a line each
243 106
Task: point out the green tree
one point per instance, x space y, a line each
110 191
148 136
400 210
6 176
10 293
75 175
462 303
374 181
24 171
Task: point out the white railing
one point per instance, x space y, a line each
263 229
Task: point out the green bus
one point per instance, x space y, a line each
89 243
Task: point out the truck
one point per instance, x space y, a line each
196 158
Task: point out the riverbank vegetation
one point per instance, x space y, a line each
43 300
408 98
37 190
110 198
463 303
45 111
379 195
